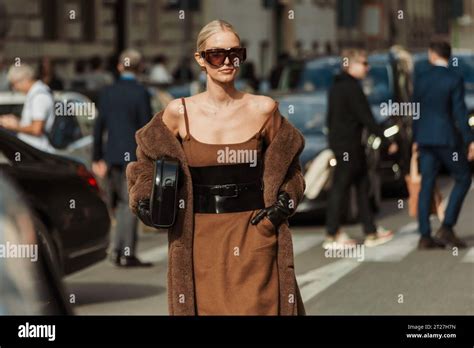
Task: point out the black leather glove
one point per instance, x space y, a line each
143 212
277 213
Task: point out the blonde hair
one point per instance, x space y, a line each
130 59
212 28
350 54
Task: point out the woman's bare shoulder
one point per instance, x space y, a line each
173 115
260 104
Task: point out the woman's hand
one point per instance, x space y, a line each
278 212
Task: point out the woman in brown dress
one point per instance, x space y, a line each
234 248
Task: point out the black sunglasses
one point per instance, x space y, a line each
217 56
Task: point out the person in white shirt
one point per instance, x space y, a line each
158 72
37 116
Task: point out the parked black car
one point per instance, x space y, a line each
30 284
67 207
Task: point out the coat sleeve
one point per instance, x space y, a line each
460 113
360 107
294 183
139 179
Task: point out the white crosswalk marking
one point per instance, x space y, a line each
319 279
304 242
403 243
155 255
469 257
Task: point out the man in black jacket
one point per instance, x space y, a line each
348 114
124 108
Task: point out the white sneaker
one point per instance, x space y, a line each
340 241
380 237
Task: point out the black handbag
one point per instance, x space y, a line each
164 193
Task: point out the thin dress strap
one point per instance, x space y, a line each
188 135
268 118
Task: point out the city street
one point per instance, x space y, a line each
391 279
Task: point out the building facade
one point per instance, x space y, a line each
70 30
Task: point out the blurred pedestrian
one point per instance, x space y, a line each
124 107
159 73
183 72
78 82
249 76
277 70
348 114
441 135
4 84
47 74
97 77
37 116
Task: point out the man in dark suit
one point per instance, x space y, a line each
441 134
124 108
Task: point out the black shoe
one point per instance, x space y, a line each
427 243
114 258
133 261
447 236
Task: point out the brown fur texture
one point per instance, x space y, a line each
282 172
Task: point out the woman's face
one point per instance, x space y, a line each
227 72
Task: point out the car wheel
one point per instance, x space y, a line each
48 244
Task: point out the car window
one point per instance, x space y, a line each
15 109
318 76
309 117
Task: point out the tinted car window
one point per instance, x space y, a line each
319 75
309 117
11 109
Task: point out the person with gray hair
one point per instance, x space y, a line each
124 108
37 115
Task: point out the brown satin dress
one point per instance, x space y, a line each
235 262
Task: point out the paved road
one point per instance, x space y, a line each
391 279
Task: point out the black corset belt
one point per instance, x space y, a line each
228 198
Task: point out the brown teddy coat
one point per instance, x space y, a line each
282 172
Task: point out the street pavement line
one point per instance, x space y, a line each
402 244
304 242
469 257
155 255
319 279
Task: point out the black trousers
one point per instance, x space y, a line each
125 238
351 169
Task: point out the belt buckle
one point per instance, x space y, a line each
225 188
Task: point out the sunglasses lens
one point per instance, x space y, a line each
216 58
237 56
